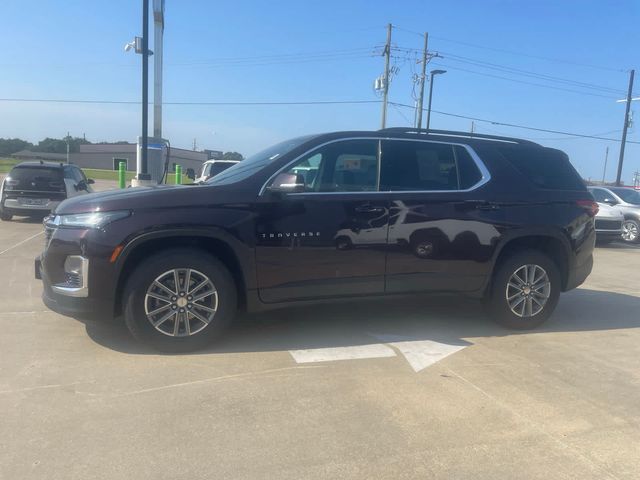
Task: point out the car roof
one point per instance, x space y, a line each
222 161
35 164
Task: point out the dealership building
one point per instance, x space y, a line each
108 156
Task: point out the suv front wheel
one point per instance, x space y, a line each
179 300
524 291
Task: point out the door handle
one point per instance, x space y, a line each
482 204
369 209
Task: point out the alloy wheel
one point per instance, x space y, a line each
528 290
181 302
630 231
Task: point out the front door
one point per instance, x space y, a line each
328 240
442 229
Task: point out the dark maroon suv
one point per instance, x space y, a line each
322 217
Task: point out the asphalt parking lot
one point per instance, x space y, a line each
426 388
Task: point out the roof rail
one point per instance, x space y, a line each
454 133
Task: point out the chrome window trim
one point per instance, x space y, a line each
486 176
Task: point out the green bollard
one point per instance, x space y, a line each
122 174
178 174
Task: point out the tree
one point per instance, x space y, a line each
232 156
9 146
59 145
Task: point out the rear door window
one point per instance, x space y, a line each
425 166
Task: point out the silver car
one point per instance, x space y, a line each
627 200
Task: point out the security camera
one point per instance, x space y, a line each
129 46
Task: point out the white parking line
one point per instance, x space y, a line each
376 350
21 242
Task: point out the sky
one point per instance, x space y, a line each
552 65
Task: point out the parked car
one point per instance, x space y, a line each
36 188
492 217
609 221
211 168
627 200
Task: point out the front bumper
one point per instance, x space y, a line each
71 306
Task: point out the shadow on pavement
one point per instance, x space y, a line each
448 320
619 245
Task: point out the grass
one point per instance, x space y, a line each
6 164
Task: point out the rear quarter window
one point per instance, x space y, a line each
544 167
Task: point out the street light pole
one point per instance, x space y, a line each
433 74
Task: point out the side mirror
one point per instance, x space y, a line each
90 181
287 183
610 201
81 185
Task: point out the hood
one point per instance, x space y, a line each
135 198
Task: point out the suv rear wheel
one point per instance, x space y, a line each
4 216
525 290
179 300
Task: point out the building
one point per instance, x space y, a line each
107 156
46 156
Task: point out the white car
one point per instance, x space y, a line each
609 222
211 168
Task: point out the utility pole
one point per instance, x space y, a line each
473 127
195 147
143 174
625 128
606 157
423 76
67 148
387 55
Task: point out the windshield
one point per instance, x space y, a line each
254 163
628 195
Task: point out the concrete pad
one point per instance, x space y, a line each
83 400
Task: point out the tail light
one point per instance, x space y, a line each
590 206
10 183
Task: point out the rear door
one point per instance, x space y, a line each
442 227
330 240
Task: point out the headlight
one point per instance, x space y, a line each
89 220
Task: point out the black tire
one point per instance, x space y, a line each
632 224
497 304
5 217
144 275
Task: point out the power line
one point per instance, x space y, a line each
514 125
525 82
134 102
281 58
515 71
309 102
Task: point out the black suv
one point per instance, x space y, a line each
36 188
316 218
